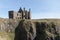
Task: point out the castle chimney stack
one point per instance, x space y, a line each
24 9
29 15
29 10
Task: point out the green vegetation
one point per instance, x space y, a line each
6 36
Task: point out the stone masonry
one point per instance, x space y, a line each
21 14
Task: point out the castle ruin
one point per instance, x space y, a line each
21 14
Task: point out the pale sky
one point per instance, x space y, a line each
39 8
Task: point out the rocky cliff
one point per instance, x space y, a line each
28 30
41 29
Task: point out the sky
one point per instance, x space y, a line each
39 8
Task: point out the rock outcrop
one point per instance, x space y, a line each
31 29
41 31
25 31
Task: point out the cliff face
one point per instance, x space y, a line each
44 29
27 30
8 25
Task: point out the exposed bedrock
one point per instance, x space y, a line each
28 30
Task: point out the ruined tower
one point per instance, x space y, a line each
21 14
29 14
12 15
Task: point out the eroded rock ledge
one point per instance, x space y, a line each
28 30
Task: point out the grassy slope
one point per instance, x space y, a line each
6 36
56 21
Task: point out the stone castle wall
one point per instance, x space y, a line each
21 14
